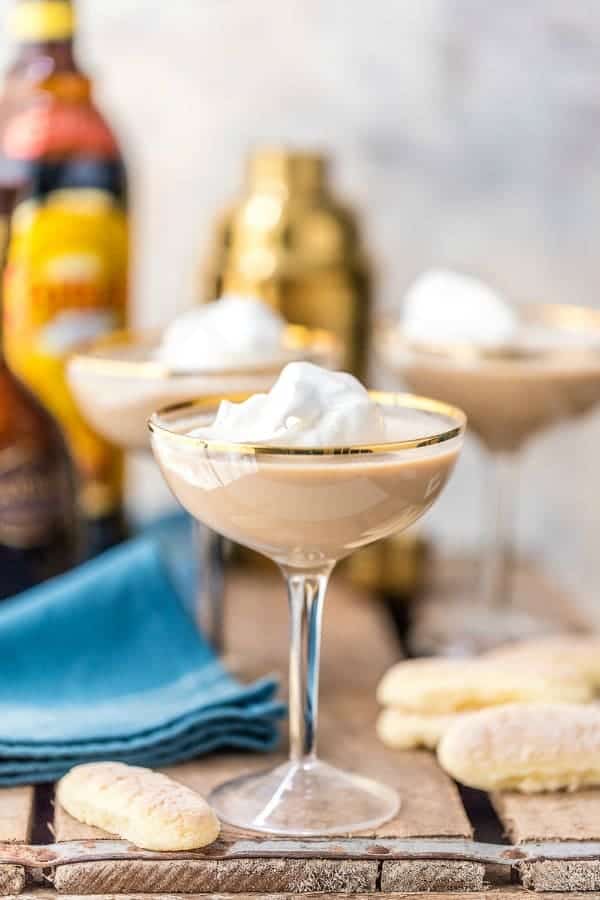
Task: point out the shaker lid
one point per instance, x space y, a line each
293 169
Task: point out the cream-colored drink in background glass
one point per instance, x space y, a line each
305 474
236 344
515 371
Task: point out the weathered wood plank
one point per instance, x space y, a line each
216 876
416 875
550 817
532 589
453 591
12 880
358 639
66 828
510 893
555 875
16 813
563 817
430 803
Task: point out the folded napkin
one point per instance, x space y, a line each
104 663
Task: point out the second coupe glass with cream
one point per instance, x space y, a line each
234 344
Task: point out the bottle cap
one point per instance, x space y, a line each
36 21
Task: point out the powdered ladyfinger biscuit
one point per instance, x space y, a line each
579 651
409 731
527 748
442 686
147 808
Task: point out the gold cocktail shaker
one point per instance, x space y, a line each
290 242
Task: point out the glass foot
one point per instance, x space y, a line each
456 629
306 798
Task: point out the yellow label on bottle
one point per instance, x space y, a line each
64 285
42 20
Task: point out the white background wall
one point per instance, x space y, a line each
466 133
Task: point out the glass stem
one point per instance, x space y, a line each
211 618
498 555
306 594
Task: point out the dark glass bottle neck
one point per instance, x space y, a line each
8 198
60 53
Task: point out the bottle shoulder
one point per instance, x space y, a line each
47 109
34 60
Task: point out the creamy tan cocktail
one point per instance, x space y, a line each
306 473
120 381
515 371
118 385
232 345
302 509
547 372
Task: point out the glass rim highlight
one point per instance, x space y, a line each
95 357
567 317
389 399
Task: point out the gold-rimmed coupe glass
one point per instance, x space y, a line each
510 394
118 383
307 508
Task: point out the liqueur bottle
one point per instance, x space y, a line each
66 273
38 514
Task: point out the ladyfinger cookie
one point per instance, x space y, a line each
579 651
527 748
409 731
442 686
147 808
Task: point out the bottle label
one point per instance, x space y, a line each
42 20
47 126
64 285
32 497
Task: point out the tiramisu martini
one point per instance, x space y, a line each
232 345
515 371
305 474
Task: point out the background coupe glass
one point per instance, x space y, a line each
118 385
509 394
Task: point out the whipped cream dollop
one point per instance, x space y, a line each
307 407
445 307
231 333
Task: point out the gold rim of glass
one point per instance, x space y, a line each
558 315
383 398
95 357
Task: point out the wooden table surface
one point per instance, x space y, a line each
359 644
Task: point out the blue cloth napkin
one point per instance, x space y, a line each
104 663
